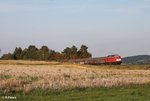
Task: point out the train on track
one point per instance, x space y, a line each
108 60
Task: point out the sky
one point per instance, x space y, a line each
105 26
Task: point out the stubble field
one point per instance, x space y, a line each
25 76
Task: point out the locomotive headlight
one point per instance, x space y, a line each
118 59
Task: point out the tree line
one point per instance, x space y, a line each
44 53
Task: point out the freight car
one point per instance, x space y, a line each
109 60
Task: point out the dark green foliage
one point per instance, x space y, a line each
17 53
55 55
24 52
44 53
67 53
0 54
74 53
83 53
8 56
31 53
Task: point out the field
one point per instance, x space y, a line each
52 80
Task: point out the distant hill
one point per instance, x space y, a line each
138 59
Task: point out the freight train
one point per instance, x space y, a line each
108 60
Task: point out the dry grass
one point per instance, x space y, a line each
26 62
53 75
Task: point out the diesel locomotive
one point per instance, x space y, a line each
108 60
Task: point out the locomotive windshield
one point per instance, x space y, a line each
112 55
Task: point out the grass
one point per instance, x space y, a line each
4 77
124 93
27 62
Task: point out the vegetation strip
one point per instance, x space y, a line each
124 93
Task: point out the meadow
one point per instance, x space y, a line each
52 80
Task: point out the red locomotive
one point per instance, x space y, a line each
113 59
110 59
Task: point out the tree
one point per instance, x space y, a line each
8 56
67 53
31 53
83 53
55 55
74 51
44 53
17 53
24 54
83 49
0 53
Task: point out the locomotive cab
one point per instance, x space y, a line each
113 59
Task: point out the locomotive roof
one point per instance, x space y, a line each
113 55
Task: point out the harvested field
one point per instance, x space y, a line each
57 76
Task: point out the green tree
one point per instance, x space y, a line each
44 53
0 53
55 55
23 54
31 53
8 56
83 52
67 53
17 53
74 51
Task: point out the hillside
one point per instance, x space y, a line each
138 59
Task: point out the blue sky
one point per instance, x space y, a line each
105 26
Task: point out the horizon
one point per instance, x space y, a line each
106 27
